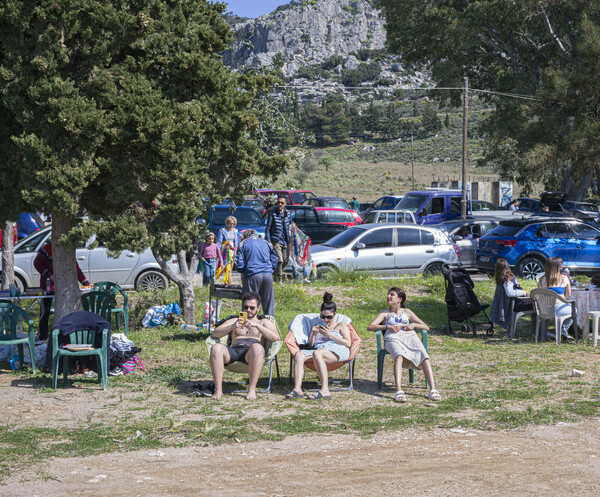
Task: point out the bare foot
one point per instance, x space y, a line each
251 396
217 395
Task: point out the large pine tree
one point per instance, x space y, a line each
107 106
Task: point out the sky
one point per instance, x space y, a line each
253 8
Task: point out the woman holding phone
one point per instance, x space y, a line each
328 343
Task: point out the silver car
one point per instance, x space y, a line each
129 270
466 235
386 250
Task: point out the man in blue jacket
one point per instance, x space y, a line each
277 233
256 260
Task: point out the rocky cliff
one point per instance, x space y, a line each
306 32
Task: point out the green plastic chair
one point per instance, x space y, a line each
101 303
381 352
12 318
80 337
114 290
271 350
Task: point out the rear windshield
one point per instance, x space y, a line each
243 216
299 197
345 237
412 202
506 230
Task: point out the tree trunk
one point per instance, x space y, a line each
67 297
8 255
184 281
576 190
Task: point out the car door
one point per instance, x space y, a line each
433 211
101 267
410 254
557 241
377 255
586 241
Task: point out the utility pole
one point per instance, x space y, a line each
464 152
412 160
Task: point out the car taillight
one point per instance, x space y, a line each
456 250
506 243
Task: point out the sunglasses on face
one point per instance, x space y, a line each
249 307
326 317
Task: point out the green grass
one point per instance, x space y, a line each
487 383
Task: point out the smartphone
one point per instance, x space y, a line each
322 323
243 317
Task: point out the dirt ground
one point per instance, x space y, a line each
556 460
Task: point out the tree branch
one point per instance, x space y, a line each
553 36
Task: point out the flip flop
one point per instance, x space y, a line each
319 396
294 395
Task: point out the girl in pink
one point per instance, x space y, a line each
209 255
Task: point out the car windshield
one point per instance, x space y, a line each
299 197
243 216
345 237
335 203
448 227
370 217
587 207
412 202
30 243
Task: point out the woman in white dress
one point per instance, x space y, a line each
401 341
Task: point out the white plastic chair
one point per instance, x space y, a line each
515 315
545 301
595 317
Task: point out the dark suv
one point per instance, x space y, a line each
526 244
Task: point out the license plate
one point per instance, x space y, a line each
484 258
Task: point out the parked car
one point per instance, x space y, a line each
466 234
483 205
330 215
526 244
335 202
246 217
384 203
526 204
257 204
582 208
306 218
433 206
392 216
129 270
293 197
386 249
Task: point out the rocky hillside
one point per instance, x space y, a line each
306 32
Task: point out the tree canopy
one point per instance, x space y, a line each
540 48
107 106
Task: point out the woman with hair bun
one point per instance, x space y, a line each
401 341
328 343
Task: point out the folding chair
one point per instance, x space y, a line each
300 327
271 350
381 353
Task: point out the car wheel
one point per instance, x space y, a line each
151 280
529 268
19 283
323 271
433 269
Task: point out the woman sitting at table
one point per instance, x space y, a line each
507 287
328 343
402 342
555 280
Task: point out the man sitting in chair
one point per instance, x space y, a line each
247 344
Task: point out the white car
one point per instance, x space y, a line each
129 270
386 250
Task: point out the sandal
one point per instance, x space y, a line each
434 395
399 397
294 395
319 396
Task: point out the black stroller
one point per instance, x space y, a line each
461 301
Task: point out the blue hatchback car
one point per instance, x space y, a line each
526 244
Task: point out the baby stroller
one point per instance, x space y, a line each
461 301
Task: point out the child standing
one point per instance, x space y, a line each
209 255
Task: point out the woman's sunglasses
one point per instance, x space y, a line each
326 317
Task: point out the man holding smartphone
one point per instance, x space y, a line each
249 332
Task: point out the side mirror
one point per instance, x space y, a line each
359 246
456 238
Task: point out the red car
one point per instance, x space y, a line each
329 215
294 197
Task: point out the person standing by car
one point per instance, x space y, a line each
354 204
277 233
229 233
256 260
43 265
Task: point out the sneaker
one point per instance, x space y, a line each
306 280
116 372
90 374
